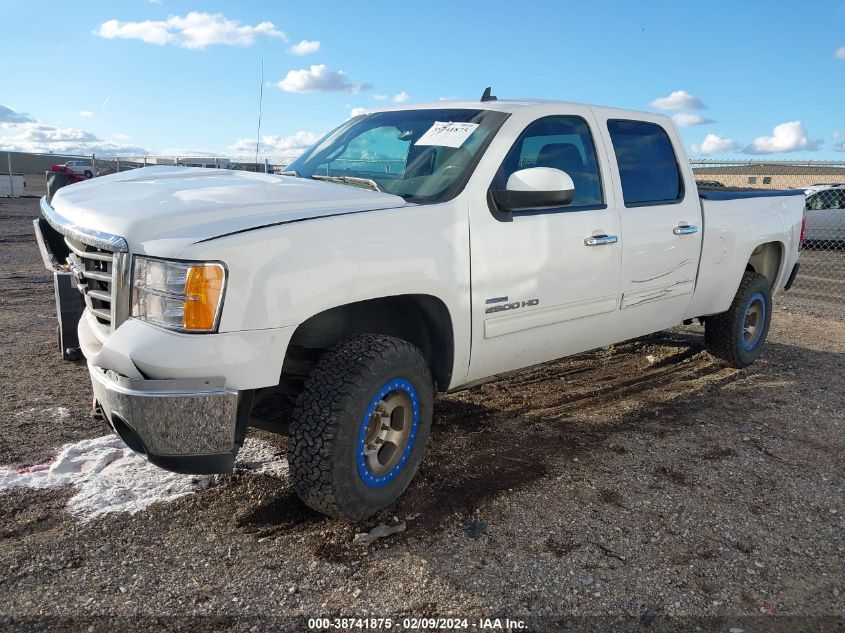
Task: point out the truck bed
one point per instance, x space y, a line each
741 193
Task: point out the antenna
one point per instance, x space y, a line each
486 96
260 101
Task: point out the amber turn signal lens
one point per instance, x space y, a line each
203 291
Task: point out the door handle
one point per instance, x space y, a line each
600 240
685 229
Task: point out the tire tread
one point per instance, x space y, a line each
343 373
720 329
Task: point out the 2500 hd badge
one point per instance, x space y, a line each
500 304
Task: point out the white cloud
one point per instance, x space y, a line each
786 137
287 146
714 144
305 47
319 78
839 147
446 98
402 97
684 119
840 53
357 112
196 30
12 116
379 97
86 114
678 100
40 138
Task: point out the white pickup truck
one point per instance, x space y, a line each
80 167
412 250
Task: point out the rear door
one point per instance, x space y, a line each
661 224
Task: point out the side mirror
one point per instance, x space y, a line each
535 188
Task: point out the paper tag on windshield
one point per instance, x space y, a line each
447 134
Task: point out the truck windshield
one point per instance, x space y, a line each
421 155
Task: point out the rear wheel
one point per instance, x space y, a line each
360 426
737 335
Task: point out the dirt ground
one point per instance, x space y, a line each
644 487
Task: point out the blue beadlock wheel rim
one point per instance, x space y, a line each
363 450
753 322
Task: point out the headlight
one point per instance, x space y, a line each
184 296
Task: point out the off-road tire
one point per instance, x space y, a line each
88 174
325 425
723 333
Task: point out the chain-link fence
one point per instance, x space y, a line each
820 285
23 173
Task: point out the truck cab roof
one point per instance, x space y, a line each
515 105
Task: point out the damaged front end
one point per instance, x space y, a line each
189 425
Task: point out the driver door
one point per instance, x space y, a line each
545 282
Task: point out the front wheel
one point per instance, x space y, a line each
737 335
360 427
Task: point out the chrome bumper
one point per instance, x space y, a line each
186 425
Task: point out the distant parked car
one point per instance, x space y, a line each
80 167
709 184
825 211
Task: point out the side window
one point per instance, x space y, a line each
561 142
826 199
648 167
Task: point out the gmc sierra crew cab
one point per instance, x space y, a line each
409 251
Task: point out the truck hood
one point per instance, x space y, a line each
158 210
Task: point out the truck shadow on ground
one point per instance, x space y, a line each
508 434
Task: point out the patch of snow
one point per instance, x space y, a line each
260 457
108 477
57 413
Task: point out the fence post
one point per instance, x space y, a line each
11 178
118 164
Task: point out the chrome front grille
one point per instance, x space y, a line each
94 269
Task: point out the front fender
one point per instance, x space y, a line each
282 275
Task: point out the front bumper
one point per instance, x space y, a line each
188 425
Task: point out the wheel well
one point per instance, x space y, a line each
766 259
423 320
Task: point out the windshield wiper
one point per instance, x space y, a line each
354 181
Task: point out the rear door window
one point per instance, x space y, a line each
647 163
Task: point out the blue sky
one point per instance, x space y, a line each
182 76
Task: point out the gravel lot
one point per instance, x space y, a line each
646 482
